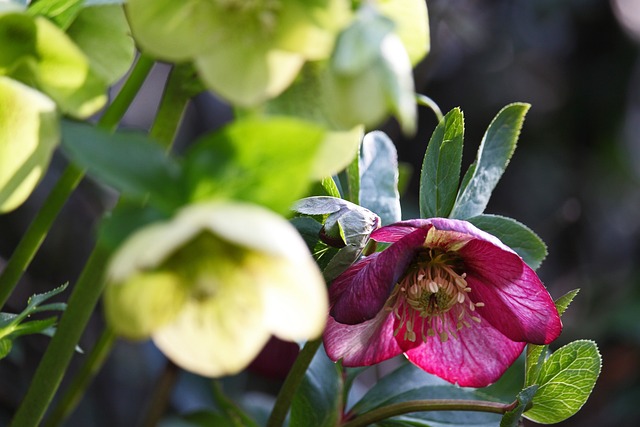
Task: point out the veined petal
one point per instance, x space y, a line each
217 336
394 232
361 291
476 358
515 301
295 299
363 344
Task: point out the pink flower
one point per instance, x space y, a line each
454 299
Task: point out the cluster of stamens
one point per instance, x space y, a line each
423 298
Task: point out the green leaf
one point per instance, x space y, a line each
103 34
124 220
537 354
5 347
379 177
37 299
33 327
29 133
565 300
129 162
260 160
566 381
440 174
61 12
411 383
524 398
496 149
318 400
353 176
517 236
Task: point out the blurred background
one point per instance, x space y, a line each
574 179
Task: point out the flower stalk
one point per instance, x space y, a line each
396 409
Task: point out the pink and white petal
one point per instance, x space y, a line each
467 228
362 290
476 358
515 300
363 344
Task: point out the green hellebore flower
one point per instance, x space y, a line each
211 285
370 74
29 133
245 50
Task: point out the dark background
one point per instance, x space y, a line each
574 179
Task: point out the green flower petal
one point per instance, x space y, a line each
412 25
217 336
248 74
103 34
173 30
143 303
29 132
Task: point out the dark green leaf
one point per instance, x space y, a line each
129 162
126 218
409 383
496 149
309 229
319 398
260 160
512 418
34 327
440 174
566 381
379 177
354 176
38 299
517 236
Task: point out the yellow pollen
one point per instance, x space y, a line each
422 300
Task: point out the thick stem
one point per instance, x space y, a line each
71 177
83 378
396 409
292 382
161 394
56 359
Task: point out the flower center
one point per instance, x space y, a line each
426 295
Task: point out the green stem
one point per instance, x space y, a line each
71 177
168 113
54 363
395 409
182 85
425 101
292 382
82 379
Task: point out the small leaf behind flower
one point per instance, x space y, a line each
379 177
514 234
496 149
512 418
440 174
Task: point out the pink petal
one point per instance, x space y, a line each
361 291
364 344
476 358
394 232
515 300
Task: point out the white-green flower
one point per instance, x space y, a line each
212 284
29 133
245 50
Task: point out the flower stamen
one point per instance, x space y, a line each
422 299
